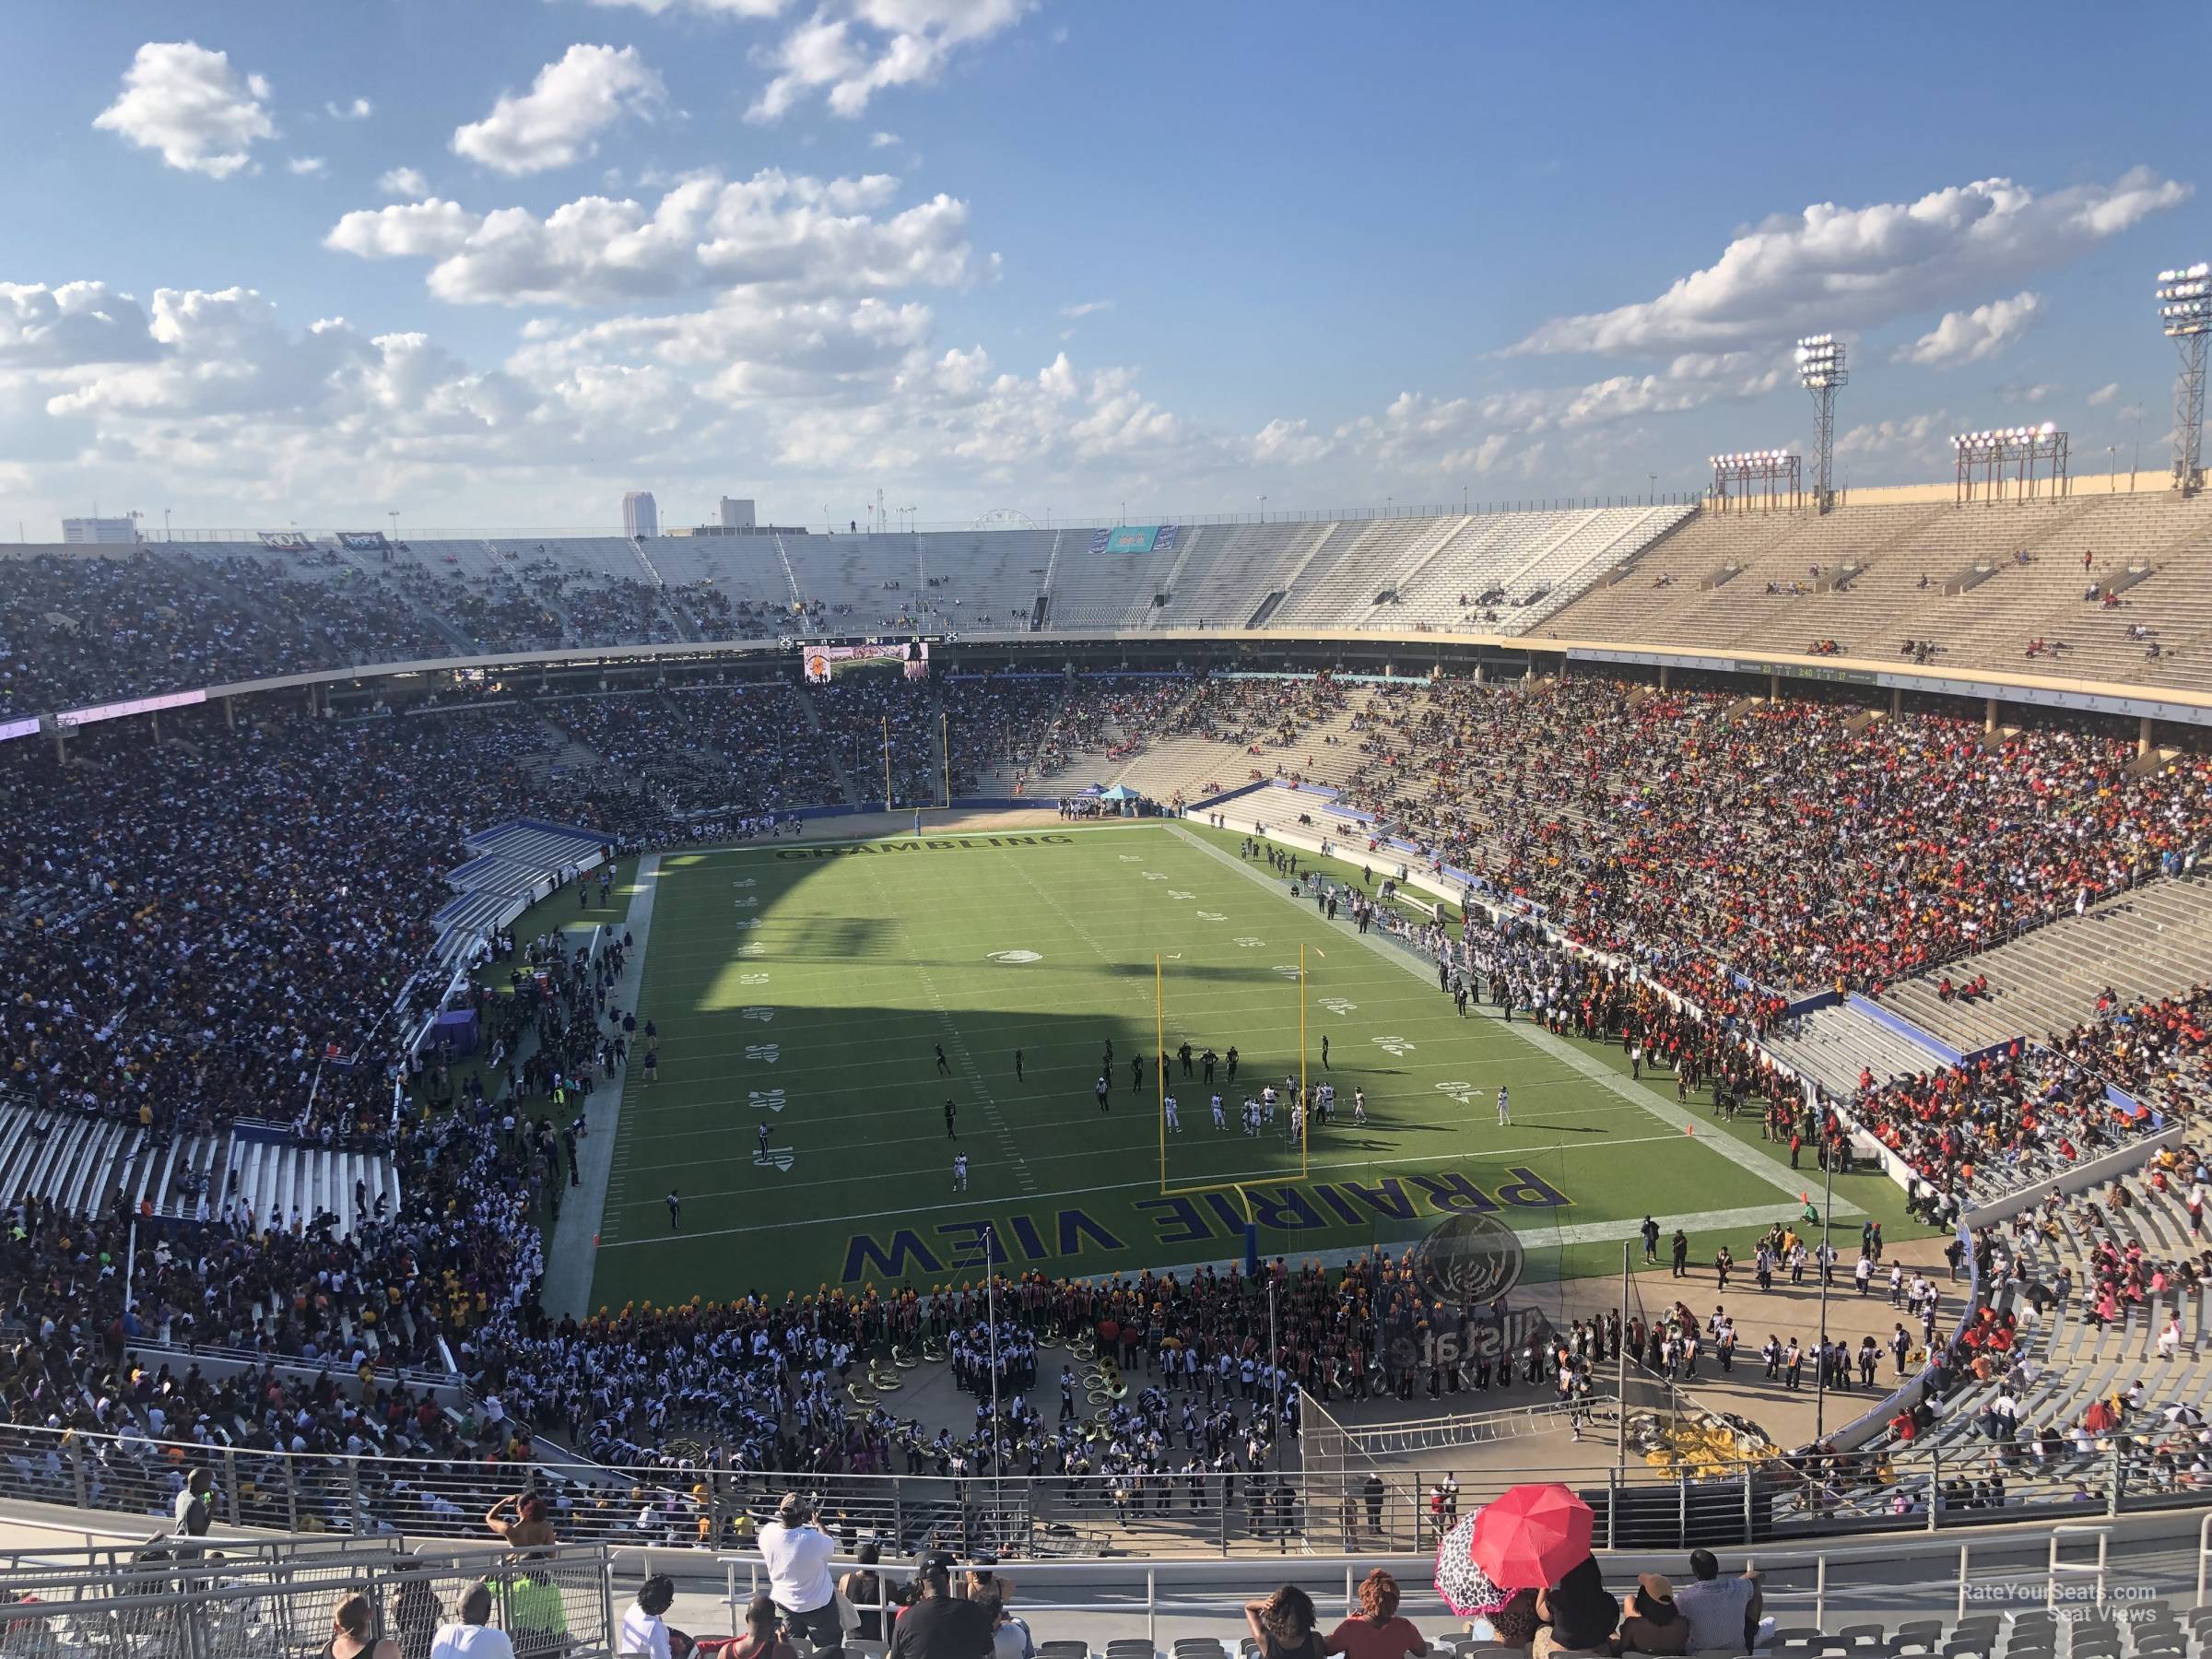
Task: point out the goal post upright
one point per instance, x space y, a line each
1305 1123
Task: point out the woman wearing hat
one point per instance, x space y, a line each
1651 1624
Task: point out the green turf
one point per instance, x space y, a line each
852 965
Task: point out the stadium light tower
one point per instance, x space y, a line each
1820 370
2186 304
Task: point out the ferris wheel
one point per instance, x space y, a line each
1005 518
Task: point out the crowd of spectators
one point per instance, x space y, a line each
717 616
351 616
1798 844
1004 726
494 610
862 714
2028 1112
1261 712
760 731
76 630
615 612
1115 714
183 981
198 925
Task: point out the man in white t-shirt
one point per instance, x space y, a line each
473 1636
798 1554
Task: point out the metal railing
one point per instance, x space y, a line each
2047 1568
198 1599
1676 1493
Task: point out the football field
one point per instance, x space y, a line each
809 989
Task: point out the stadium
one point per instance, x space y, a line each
1630 1067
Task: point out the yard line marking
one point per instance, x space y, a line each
1429 1045
1219 1141
1051 1111
1751 1213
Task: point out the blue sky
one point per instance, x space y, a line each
492 262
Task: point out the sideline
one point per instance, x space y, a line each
571 1254
1567 1054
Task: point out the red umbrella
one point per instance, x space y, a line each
1532 1536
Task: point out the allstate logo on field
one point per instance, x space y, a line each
1014 957
1469 1259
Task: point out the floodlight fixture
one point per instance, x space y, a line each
2021 462
1768 478
2185 309
1822 366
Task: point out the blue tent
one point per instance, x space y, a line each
1120 791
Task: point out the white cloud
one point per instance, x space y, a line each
743 349
359 109
405 183
307 167
1832 268
954 414
730 8
427 228
190 104
75 324
851 50
1970 336
212 396
795 234
226 355
570 102
1085 307
2104 395
1917 437
882 140
1505 434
